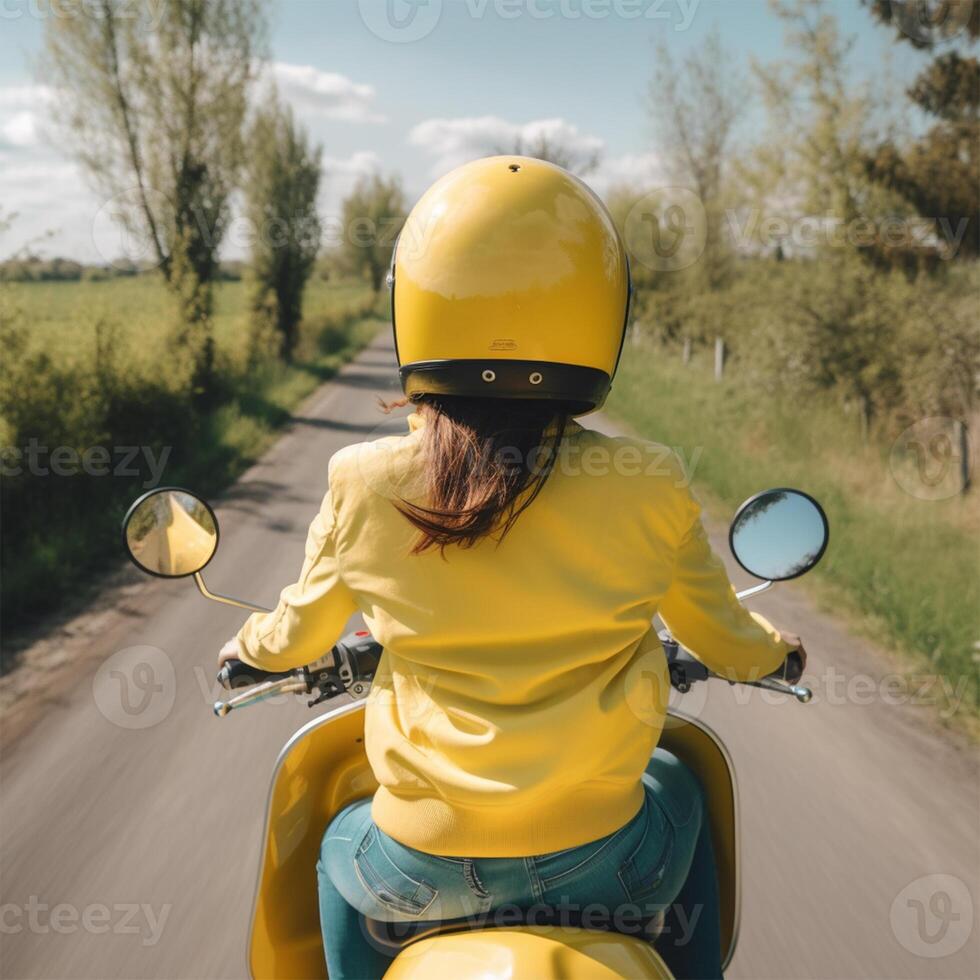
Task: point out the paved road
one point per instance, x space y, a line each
846 802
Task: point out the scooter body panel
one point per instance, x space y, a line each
531 951
324 767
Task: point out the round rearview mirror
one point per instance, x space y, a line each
170 532
779 534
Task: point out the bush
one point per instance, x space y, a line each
107 406
889 348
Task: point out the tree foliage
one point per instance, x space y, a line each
695 106
154 115
372 217
281 187
552 148
939 173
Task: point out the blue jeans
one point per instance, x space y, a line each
661 860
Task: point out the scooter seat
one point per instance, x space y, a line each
395 936
541 952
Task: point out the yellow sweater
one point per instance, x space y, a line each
522 689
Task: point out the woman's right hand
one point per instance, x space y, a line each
795 662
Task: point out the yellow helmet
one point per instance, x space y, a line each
510 280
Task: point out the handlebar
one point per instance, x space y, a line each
685 669
352 662
292 684
236 673
348 668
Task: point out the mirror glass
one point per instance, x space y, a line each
170 532
779 534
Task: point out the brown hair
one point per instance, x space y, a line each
486 461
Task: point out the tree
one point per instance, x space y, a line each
939 173
282 182
373 215
154 115
821 116
551 147
694 107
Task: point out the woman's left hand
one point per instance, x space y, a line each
228 652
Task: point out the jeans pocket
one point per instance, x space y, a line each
389 885
570 867
643 872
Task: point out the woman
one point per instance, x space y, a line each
510 562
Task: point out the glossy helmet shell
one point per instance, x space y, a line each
510 280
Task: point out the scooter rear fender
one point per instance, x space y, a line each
323 767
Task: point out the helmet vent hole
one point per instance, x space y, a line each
489 376
536 378
514 168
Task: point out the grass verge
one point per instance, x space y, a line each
906 566
91 374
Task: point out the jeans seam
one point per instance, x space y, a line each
387 857
662 862
472 880
547 881
405 906
399 906
532 873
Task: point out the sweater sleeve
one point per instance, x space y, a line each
702 612
311 613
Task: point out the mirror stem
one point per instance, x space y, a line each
226 599
753 590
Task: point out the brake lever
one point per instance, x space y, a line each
802 694
684 670
296 684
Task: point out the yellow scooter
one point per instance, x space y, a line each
776 535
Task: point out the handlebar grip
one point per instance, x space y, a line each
791 669
237 673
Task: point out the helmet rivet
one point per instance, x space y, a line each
536 378
489 375
514 168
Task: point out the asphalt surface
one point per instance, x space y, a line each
131 817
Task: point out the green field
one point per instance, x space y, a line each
62 316
89 367
905 567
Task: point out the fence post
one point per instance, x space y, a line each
719 358
686 351
962 438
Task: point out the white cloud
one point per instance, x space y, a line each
20 129
21 110
25 96
454 141
326 94
637 170
359 164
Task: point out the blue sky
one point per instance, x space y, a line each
418 93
